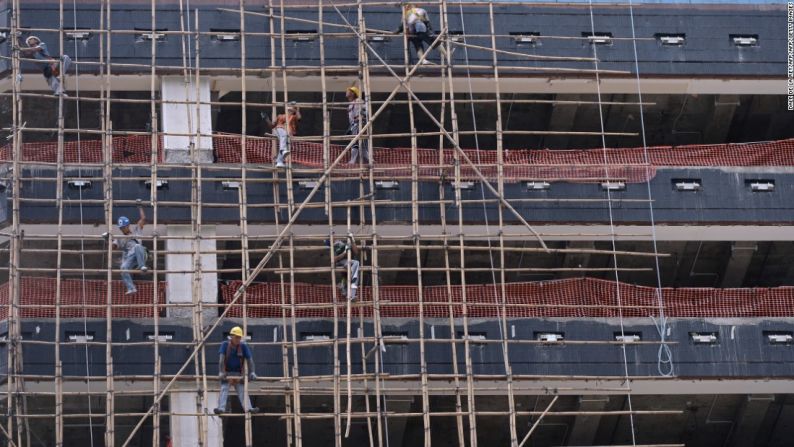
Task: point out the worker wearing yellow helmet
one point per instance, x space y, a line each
357 118
234 357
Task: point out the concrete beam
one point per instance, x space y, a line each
508 84
748 420
782 233
584 429
741 255
530 386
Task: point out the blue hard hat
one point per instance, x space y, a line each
123 222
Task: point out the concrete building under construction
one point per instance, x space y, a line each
566 223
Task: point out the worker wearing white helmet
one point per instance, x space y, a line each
54 66
234 357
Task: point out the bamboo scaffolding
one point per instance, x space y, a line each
344 388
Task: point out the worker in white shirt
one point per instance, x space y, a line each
416 23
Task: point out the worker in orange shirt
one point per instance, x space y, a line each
285 126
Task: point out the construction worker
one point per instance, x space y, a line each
286 126
341 261
418 29
234 357
134 253
51 70
357 118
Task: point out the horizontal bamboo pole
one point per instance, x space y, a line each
333 138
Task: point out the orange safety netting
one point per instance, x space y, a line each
629 164
135 149
577 298
81 299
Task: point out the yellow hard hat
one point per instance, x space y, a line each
237 330
355 91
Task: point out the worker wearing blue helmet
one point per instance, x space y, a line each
134 253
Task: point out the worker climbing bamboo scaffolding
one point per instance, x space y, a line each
416 24
285 127
342 260
234 357
357 117
134 253
52 67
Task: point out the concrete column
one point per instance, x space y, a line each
185 429
562 119
577 260
736 269
750 414
186 119
397 424
717 129
585 428
180 285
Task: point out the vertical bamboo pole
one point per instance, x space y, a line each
418 253
366 93
445 73
290 204
511 402
470 410
203 419
348 320
285 346
59 257
107 146
154 159
13 260
195 213
326 150
153 164
15 245
243 198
